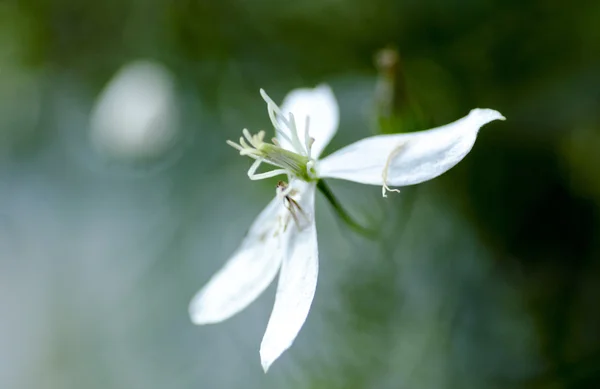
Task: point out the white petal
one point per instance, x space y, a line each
320 105
296 288
246 275
407 158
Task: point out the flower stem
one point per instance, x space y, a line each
342 213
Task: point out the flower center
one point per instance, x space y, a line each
295 164
288 162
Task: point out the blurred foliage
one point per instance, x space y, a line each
486 277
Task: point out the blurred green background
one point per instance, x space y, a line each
488 277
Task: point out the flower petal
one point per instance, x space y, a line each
246 275
407 159
320 105
297 285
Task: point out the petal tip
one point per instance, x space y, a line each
265 365
196 320
270 351
325 91
266 360
324 88
195 313
200 319
199 315
486 115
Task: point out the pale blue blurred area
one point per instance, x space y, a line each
484 278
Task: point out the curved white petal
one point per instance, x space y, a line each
410 158
297 285
246 275
320 105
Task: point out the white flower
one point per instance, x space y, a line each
136 115
283 237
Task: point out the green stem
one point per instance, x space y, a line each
342 213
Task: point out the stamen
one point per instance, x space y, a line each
248 136
265 96
235 146
307 139
259 176
285 192
252 153
384 174
273 110
283 189
385 188
272 173
297 144
277 118
254 167
284 136
311 142
244 144
293 206
293 163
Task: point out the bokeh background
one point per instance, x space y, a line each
119 197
